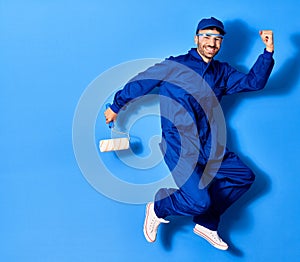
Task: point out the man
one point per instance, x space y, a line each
232 178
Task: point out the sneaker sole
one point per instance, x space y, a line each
208 239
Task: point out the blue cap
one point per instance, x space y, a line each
211 22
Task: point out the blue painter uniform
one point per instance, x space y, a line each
187 131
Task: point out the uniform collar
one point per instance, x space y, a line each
193 52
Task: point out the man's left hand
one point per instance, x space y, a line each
267 38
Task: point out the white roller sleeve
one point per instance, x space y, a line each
114 144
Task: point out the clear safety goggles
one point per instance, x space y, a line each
209 36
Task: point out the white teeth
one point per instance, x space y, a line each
210 49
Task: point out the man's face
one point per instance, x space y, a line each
208 44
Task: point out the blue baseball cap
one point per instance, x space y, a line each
211 22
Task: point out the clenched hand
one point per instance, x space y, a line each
267 38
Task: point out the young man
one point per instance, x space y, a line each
186 122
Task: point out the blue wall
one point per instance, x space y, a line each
50 51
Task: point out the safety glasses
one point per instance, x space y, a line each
208 36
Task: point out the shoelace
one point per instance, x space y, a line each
155 222
215 236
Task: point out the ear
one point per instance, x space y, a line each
196 40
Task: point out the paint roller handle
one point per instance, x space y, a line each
110 124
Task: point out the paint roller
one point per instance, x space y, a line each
118 143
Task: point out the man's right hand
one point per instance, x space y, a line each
110 115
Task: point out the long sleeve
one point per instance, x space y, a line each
256 79
140 85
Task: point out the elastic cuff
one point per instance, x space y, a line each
208 221
157 212
268 54
114 108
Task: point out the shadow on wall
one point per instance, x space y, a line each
238 41
240 38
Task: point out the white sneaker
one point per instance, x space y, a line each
211 236
151 223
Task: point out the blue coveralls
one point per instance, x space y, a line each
233 178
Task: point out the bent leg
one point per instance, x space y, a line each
233 179
181 154
188 200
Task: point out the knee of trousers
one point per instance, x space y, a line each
239 176
248 177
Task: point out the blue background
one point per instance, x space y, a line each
51 50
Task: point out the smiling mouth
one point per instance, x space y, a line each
210 49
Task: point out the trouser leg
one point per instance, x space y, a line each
232 180
188 200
